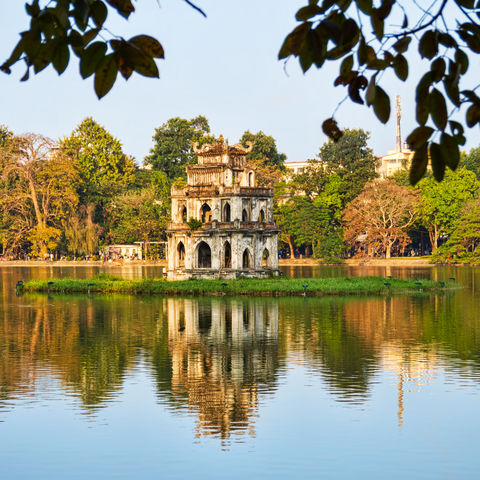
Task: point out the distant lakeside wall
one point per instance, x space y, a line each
375 262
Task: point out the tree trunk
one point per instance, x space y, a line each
91 240
388 251
290 245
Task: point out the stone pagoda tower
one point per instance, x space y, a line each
234 233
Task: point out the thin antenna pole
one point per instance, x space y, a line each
399 117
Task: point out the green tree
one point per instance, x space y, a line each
352 160
104 169
462 244
173 141
141 214
471 161
441 202
265 157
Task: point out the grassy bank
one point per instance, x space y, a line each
253 287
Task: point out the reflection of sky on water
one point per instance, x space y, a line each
151 384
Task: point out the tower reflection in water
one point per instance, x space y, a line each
223 354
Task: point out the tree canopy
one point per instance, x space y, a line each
380 216
351 159
172 148
442 202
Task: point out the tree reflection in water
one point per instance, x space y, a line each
218 356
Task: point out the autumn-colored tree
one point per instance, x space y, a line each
38 192
379 218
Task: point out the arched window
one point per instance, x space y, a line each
204 256
181 254
184 214
244 215
246 259
261 216
206 213
250 179
226 212
227 255
265 258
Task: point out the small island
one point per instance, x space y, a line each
270 287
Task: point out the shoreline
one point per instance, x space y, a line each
283 262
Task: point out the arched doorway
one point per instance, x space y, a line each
246 259
181 254
261 216
227 255
184 215
204 256
244 215
265 258
250 179
206 213
226 213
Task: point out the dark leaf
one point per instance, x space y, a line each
402 45
98 11
106 75
450 82
451 152
365 6
346 66
377 23
400 65
123 7
357 84
438 69
149 45
419 164
473 115
446 39
331 130
91 58
61 57
90 35
307 12
419 137
428 46
437 161
14 57
461 59
371 91
294 41
381 105
438 108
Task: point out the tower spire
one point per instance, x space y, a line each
399 116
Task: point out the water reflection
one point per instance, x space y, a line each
219 358
223 352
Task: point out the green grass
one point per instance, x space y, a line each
251 287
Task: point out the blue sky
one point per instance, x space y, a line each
224 67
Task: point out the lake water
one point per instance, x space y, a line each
149 387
